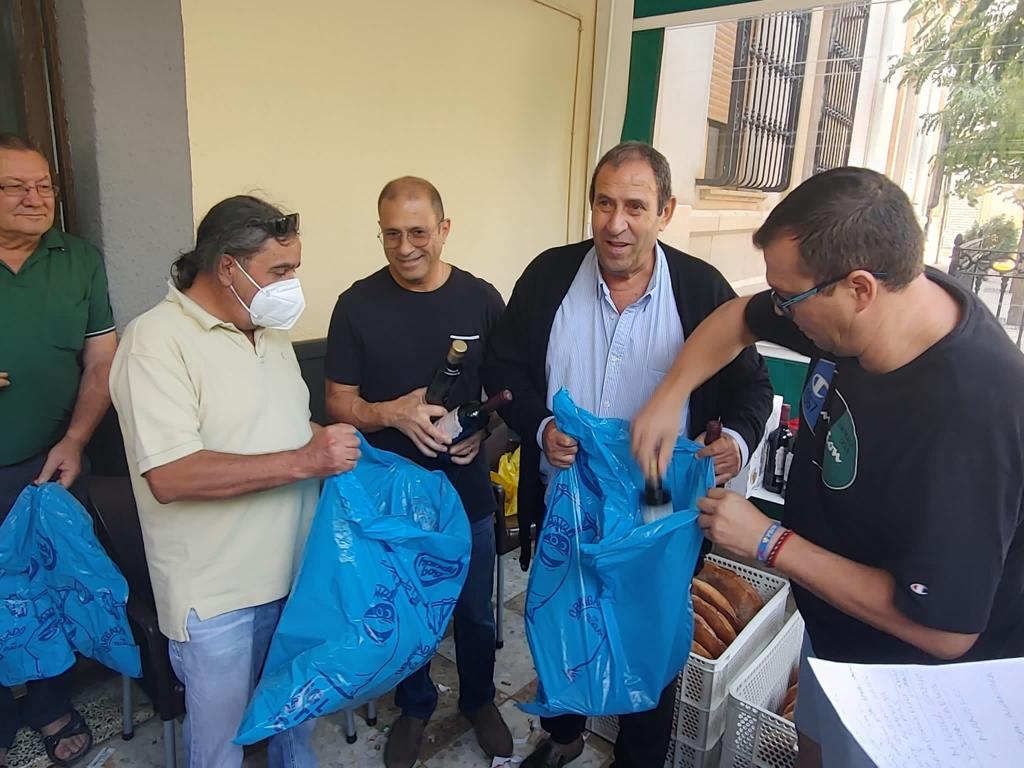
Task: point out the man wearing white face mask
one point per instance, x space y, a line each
224 463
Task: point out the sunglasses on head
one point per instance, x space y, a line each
279 226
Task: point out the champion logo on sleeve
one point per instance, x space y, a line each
919 589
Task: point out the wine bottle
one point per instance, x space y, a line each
468 419
712 431
445 376
771 451
655 501
782 447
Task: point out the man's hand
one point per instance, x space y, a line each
732 522
413 416
559 447
5 379
65 461
332 450
466 451
654 431
727 457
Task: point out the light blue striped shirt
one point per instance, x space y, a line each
611 363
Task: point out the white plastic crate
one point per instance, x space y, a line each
756 737
693 724
705 682
682 755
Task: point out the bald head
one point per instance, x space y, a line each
411 188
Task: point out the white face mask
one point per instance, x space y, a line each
277 306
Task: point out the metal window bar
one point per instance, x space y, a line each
841 82
768 73
996 277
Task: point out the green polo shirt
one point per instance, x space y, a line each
47 310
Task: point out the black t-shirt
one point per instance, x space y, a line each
918 472
389 341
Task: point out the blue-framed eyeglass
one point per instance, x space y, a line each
785 306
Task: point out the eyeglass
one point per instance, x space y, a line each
279 226
21 189
785 306
417 236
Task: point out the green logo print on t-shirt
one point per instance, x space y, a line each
839 459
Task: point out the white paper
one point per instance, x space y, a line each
906 716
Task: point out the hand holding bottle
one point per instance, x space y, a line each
413 416
723 450
464 452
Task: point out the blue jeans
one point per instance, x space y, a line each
220 666
474 637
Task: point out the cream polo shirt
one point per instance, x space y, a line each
183 381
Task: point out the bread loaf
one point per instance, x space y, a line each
704 635
711 595
742 596
719 624
700 650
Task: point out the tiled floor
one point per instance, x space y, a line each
449 739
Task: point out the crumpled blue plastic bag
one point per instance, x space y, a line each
59 591
608 614
384 565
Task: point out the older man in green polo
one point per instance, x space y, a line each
57 341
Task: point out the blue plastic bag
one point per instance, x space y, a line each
384 565
59 592
608 613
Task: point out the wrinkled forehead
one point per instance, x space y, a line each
24 165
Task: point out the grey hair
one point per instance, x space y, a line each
638 150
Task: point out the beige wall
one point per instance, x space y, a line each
318 103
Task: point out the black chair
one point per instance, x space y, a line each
117 518
506 532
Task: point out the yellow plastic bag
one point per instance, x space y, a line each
507 477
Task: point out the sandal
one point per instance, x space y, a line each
76 726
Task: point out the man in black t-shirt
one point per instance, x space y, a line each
904 538
389 333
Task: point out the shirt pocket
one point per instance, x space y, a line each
66 325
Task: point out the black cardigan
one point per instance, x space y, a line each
740 394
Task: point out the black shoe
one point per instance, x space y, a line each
548 754
492 734
404 742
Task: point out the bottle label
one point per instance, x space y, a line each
780 462
449 424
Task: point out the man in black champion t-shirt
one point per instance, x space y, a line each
389 333
905 541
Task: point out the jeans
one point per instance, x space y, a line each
220 665
46 700
474 637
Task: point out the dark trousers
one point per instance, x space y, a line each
474 637
47 700
643 736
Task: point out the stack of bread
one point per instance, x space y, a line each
723 604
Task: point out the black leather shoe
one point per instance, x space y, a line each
492 734
548 754
404 742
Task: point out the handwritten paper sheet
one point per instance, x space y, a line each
954 715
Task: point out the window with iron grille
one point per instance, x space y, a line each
754 148
847 38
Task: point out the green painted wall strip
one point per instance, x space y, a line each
643 9
644 75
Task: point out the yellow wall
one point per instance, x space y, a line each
316 104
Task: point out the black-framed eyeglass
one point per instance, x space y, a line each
280 226
785 306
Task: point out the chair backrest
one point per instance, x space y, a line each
117 518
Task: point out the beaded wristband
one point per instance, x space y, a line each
766 540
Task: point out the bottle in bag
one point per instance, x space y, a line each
655 501
445 376
468 419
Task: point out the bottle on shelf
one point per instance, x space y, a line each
469 418
782 448
771 453
794 427
445 376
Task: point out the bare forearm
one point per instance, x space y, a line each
92 402
715 343
352 409
866 593
207 475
